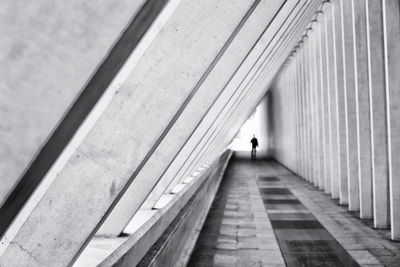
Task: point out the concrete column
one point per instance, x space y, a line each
326 100
307 106
295 96
342 107
310 121
310 106
301 109
304 108
321 106
392 41
298 112
331 60
292 148
288 111
314 105
363 109
348 28
293 111
376 67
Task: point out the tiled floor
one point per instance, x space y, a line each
303 240
237 231
309 227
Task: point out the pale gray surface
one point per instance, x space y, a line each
364 125
326 103
49 51
380 170
320 103
314 106
342 103
348 27
335 159
393 95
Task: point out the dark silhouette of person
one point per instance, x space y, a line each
254 145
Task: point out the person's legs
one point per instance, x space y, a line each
253 153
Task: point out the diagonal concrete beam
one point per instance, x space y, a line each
70 69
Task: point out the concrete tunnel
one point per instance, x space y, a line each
119 119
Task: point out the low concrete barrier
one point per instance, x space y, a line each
169 236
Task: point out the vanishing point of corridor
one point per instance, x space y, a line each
264 215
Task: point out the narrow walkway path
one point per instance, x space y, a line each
264 215
237 231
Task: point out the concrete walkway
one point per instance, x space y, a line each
238 230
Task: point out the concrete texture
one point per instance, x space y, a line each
392 95
342 102
138 245
320 106
379 137
325 87
363 110
335 157
50 50
188 228
351 102
118 143
209 92
315 110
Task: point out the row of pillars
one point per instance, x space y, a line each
338 97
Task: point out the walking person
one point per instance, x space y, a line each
254 145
